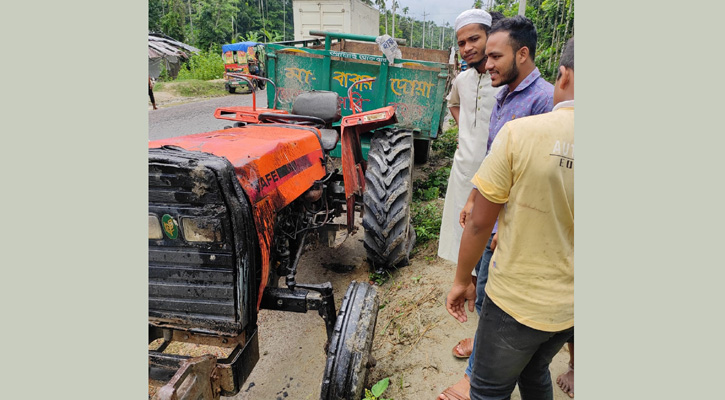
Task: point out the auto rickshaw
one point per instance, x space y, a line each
243 58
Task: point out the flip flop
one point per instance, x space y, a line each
463 349
452 394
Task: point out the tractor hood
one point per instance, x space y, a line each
274 162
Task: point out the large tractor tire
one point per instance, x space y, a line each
348 356
389 237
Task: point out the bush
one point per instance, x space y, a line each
205 66
433 187
426 220
447 143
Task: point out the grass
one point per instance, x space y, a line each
426 213
193 88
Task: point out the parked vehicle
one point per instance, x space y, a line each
415 85
229 214
243 58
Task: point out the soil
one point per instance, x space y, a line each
414 334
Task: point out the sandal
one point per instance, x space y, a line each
463 349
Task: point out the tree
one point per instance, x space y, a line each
172 24
156 12
215 21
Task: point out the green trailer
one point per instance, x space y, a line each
416 85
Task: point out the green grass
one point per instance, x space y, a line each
426 212
426 220
193 88
446 144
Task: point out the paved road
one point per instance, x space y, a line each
196 117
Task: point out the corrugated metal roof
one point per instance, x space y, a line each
161 45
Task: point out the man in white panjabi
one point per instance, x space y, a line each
470 101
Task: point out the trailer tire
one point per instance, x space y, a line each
389 237
231 89
422 150
348 354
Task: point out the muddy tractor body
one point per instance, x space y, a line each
230 212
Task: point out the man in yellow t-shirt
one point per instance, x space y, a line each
528 311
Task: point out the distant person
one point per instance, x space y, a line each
528 309
151 92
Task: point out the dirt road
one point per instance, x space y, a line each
414 333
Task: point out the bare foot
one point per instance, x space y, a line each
459 391
566 382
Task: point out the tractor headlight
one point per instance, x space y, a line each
154 228
201 229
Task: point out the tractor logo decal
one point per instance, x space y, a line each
276 177
267 183
171 228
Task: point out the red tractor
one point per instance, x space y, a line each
229 214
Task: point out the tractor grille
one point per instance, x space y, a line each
198 285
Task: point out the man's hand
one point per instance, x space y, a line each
494 241
456 300
465 214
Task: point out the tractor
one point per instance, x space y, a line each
230 212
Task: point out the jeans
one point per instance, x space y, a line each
482 278
508 352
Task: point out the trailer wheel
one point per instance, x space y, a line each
388 192
422 150
348 356
231 89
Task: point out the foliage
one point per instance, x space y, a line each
426 220
206 65
214 22
433 186
377 390
379 278
173 20
447 143
202 23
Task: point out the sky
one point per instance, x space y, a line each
440 11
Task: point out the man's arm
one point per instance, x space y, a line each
473 242
455 110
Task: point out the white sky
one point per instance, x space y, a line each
440 11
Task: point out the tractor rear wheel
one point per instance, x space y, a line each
389 237
348 354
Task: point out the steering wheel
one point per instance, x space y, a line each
292 119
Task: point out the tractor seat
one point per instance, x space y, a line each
329 138
318 103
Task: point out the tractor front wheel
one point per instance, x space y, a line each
348 354
389 237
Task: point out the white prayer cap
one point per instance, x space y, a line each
472 16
